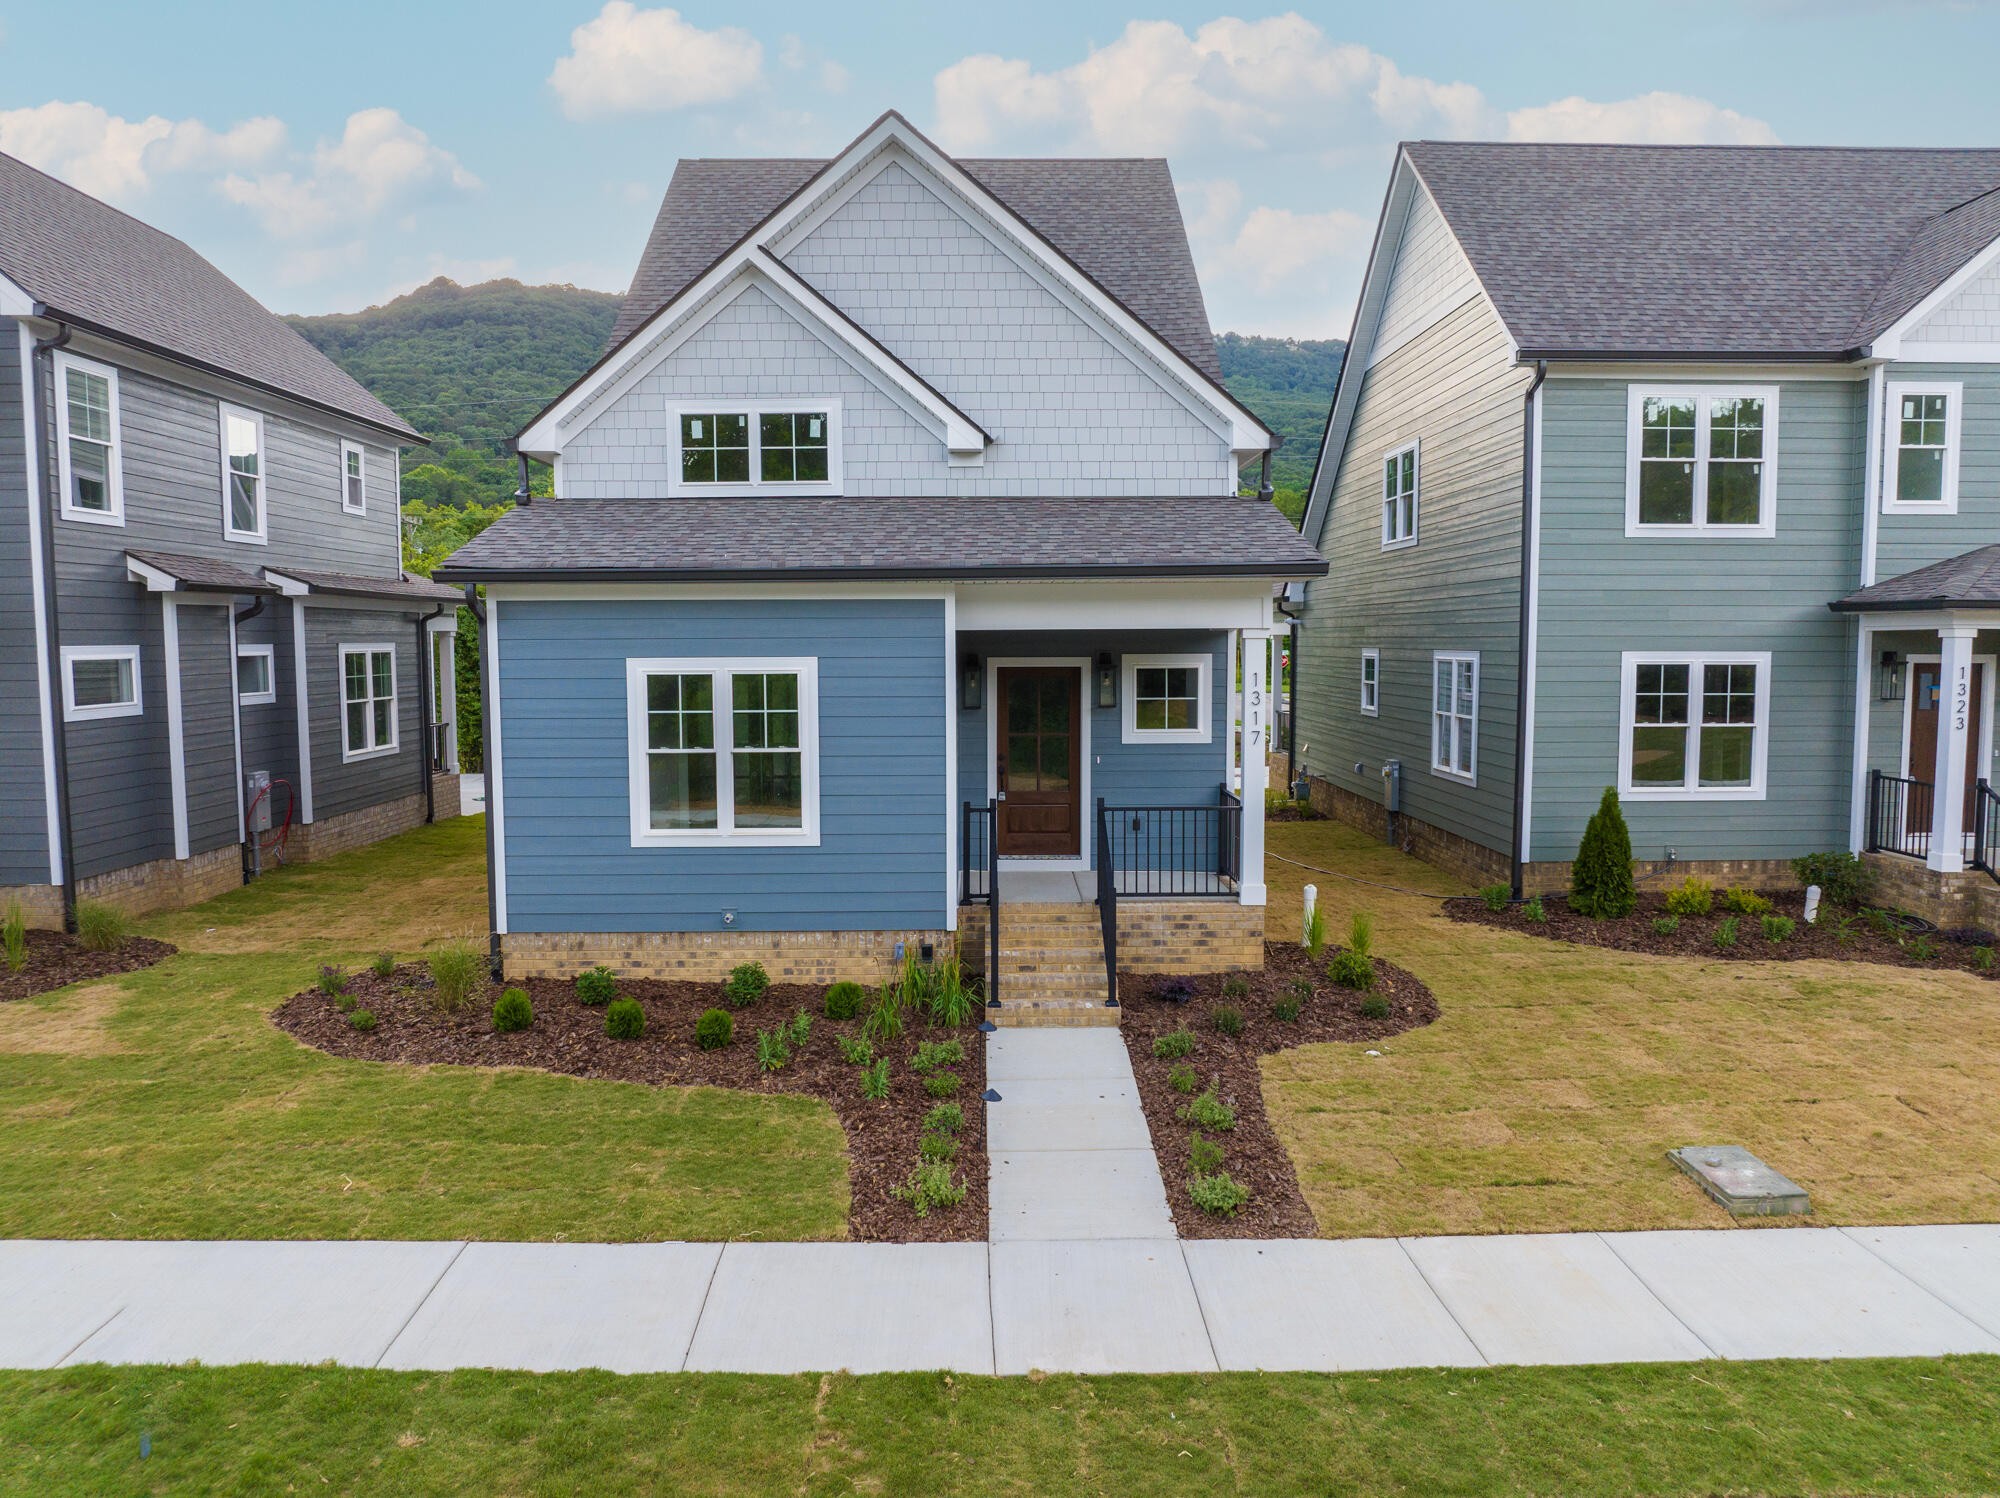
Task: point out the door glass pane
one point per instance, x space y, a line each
1020 704
1055 762
1055 705
1023 757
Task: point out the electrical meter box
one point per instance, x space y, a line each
257 800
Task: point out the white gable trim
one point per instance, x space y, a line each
1890 344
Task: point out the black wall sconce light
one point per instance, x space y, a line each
971 683
1889 677
1107 681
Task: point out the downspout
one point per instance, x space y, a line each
1264 490
1291 691
522 495
485 719
425 686
52 505
1524 645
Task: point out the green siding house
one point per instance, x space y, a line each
1674 469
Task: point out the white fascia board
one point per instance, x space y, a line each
288 587
14 301
1889 344
155 580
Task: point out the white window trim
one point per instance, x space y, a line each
260 536
1371 688
1892 433
114 461
74 653
1438 766
754 409
357 450
1767 499
1416 497
1694 660
269 656
724 833
1204 730
348 753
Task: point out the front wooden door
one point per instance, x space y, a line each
1927 695
1040 760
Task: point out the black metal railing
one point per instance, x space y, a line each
1985 828
979 879
1107 905
1899 815
1171 850
1232 836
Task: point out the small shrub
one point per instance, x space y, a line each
1315 932
1235 986
714 1030
457 968
1227 1019
596 987
885 1020
952 999
362 1019
1286 1010
1351 969
745 984
1209 1112
855 1051
1779 928
332 980
1883 923
1693 896
875 1079
1175 1044
800 1031
1533 910
1218 1195
100 927
1982 958
347 1003
932 1054
1601 878
1745 902
1725 934
1173 990
1846 931
624 1020
14 936
1183 1078
1361 933
1204 1154
1666 925
773 1049
930 1185
1497 897
936 1147
513 1011
944 1118
941 1083
844 1000
1302 990
1922 948
1842 877
384 964
1374 1007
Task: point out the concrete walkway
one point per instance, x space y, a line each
1109 1305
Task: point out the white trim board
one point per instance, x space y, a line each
495 784
170 629
1132 663
1086 805
301 693
45 684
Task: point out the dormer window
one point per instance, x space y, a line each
766 448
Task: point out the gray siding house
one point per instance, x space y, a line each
200 578
896 574
1673 469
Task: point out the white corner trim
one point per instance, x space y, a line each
370 649
1892 446
302 696
1131 733
489 728
951 853
1086 834
1864 676
261 535
266 653
45 686
1636 395
72 712
64 361
1531 655
1629 662
236 710
170 629
1871 478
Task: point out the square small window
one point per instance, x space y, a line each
255 680
1693 727
1166 699
100 681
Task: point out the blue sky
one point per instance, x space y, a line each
329 157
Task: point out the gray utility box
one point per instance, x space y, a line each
1741 1183
257 800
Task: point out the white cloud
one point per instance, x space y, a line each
1210 206
1277 249
794 56
112 157
1650 119
628 60
379 160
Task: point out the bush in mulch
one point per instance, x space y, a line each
1176 1082
1733 928
567 1035
54 959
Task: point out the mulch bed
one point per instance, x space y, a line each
568 1037
1252 1153
55 959
1839 935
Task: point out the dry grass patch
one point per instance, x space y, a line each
74 1021
1546 1095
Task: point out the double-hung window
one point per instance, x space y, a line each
368 700
1701 460
723 752
769 447
87 448
243 475
1399 497
1694 726
1455 714
353 479
1371 682
1922 469
255 680
100 681
1166 699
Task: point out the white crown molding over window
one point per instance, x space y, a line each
1702 460
130 702
754 409
113 444
1946 503
1201 731
1689 790
267 673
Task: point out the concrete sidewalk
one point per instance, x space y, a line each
1098 1306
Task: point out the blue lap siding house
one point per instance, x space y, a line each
899 527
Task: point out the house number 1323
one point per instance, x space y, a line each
1961 700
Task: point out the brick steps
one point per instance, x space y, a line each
1051 968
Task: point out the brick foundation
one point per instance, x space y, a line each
355 829
1723 873
166 883
1461 856
444 793
1953 901
41 904
817 957
1155 936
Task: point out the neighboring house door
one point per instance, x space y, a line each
1039 748
1921 764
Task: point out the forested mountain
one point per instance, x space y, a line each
1289 383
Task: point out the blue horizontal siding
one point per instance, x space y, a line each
571 865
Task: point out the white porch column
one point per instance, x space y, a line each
443 684
1257 689
1956 732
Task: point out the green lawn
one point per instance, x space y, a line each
164 1104
1906 1427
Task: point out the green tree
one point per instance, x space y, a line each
1600 882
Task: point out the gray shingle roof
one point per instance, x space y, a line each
202 574
402 586
99 268
1118 220
1784 251
1968 581
800 539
